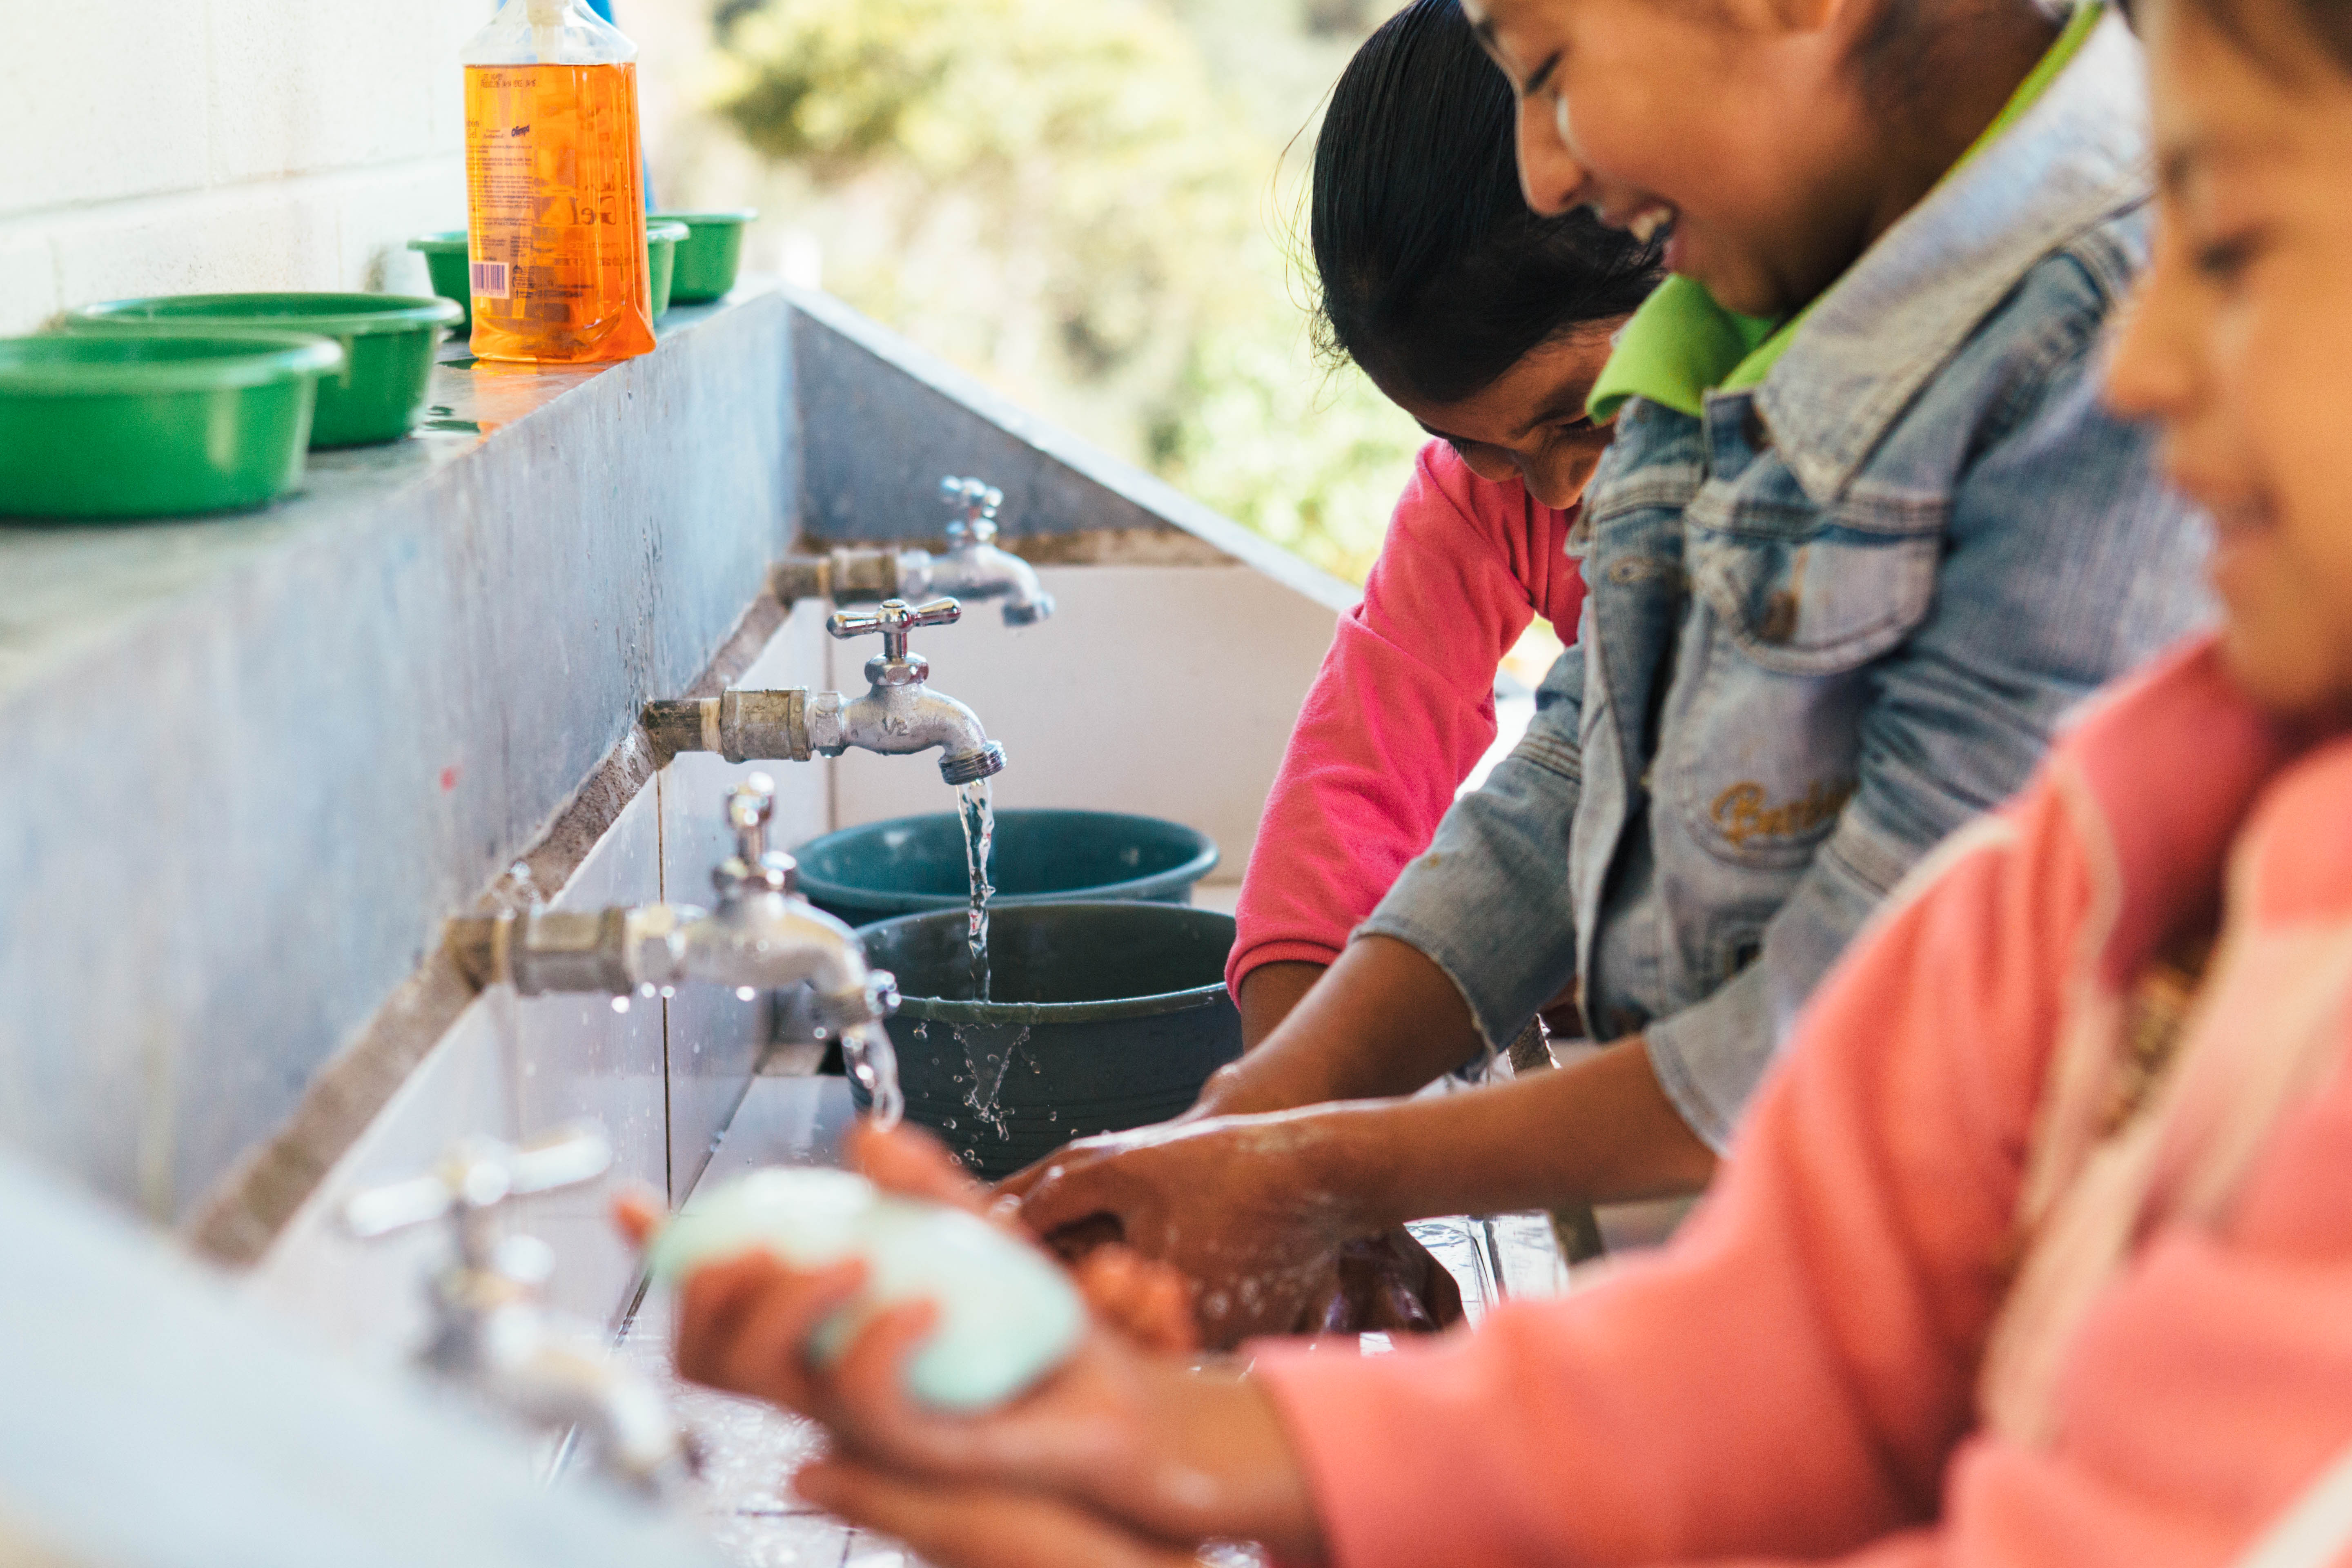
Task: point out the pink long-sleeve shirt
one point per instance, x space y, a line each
1804 1373
1403 707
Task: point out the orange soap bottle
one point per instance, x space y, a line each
555 204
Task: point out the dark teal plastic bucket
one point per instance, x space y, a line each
912 864
1103 1016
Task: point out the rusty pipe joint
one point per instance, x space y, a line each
742 726
843 574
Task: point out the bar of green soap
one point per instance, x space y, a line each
1007 1314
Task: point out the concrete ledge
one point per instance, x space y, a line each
258 760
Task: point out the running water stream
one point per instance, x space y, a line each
866 1052
979 815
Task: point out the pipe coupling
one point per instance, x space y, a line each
607 952
839 575
742 726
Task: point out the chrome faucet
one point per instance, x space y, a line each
491 1332
763 936
899 714
971 567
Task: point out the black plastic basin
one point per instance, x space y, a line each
911 864
1103 1015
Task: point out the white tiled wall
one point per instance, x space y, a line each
159 146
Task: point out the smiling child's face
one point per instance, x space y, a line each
2239 341
1658 114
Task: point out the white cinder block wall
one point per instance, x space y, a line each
169 146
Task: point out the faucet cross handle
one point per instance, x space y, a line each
479 1174
749 806
753 868
976 500
894 618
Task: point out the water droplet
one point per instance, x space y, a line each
744 994
950 1123
620 1004
645 989
668 992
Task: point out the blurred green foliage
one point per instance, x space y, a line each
1085 202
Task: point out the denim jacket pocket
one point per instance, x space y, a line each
1763 748
1817 599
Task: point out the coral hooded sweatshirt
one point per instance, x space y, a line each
1941 1309
1403 707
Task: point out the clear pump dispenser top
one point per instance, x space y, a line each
548 32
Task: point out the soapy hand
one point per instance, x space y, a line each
1134 1436
1237 1203
1148 1302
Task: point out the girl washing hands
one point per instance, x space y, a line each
1489 324
2034 1250
1864 539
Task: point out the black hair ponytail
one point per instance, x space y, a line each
1435 274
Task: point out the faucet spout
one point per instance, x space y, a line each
897 719
900 711
973 567
899 714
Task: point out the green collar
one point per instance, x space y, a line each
1680 344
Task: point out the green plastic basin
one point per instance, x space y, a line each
708 259
663 238
448 263
388 343
115 426
912 864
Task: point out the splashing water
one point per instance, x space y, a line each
985 1092
866 1052
979 813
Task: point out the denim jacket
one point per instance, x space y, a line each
1828 621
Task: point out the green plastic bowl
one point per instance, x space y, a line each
708 259
448 263
116 426
663 238
388 344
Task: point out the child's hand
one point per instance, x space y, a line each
965 1526
1135 1437
1235 1203
1148 1302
